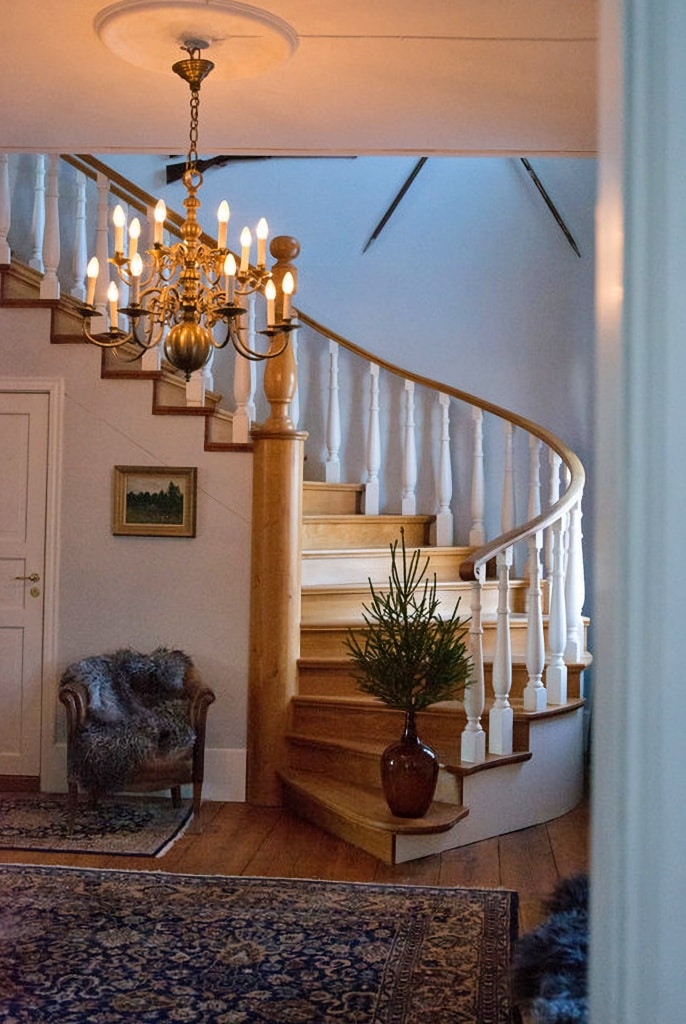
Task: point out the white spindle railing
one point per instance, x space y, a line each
50 285
371 486
409 497
534 692
80 254
556 670
38 215
473 743
501 715
244 379
558 526
444 491
333 420
477 533
507 513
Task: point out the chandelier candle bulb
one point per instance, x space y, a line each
160 217
246 242
230 277
134 235
119 221
223 214
92 271
136 271
270 296
113 299
288 284
262 232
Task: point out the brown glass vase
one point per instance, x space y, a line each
409 772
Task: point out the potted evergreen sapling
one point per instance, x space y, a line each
410 657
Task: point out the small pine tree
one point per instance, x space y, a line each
409 656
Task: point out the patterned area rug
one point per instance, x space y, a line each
122 825
83 945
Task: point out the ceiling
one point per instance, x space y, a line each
498 77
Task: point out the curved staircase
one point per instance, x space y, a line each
336 734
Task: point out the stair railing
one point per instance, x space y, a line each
555 531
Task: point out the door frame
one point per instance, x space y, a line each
52 773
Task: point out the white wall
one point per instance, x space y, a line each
136 591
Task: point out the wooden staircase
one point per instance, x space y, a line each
336 733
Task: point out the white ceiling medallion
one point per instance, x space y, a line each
243 40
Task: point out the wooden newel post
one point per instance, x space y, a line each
278 452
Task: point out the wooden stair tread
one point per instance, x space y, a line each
367 807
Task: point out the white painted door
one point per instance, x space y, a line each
23 488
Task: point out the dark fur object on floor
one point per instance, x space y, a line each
549 963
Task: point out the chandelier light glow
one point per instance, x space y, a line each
179 292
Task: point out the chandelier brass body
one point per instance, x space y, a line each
186 292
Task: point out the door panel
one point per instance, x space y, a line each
23 488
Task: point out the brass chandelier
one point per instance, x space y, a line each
180 292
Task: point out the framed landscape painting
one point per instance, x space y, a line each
154 501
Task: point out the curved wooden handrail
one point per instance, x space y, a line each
577 477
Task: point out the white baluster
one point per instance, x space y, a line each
477 533
556 670
244 378
99 322
333 421
80 257
553 495
38 218
409 498
575 589
534 692
473 743
507 513
50 285
201 381
371 487
5 209
501 715
444 517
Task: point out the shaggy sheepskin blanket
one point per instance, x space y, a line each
138 709
549 963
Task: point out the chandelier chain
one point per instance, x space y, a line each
192 158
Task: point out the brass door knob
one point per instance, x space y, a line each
33 578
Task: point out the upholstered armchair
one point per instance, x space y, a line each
135 723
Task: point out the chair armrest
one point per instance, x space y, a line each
75 698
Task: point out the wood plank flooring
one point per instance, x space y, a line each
237 839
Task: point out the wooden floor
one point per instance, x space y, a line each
237 839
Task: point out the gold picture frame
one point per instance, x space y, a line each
154 501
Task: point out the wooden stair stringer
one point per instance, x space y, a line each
20 288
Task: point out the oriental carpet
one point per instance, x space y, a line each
108 946
133 826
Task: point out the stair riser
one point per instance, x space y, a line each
337 681
359 768
328 641
441 730
331 499
344 606
343 532
348 765
338 567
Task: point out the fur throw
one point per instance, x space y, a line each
138 708
549 964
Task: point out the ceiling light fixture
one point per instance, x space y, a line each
181 291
